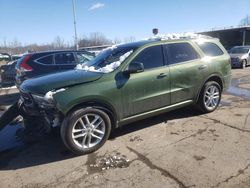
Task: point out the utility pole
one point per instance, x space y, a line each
74 14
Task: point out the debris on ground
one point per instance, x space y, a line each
199 158
111 161
136 138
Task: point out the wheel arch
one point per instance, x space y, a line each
215 78
101 105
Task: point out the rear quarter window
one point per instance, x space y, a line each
46 60
210 49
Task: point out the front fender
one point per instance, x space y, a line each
72 97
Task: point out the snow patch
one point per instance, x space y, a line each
49 95
113 47
175 36
108 68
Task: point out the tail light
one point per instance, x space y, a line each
24 64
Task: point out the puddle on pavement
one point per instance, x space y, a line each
240 92
108 161
8 138
234 89
224 103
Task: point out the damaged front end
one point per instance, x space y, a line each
39 114
40 109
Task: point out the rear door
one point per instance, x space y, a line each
148 90
186 71
65 61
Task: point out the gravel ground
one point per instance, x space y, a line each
182 148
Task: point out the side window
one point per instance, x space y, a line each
210 49
180 52
83 57
64 59
151 57
47 60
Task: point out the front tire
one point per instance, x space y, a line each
210 97
85 130
244 64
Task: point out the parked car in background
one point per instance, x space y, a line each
8 73
127 83
41 63
7 69
240 56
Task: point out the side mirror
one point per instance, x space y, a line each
135 67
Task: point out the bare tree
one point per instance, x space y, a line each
58 43
245 21
94 39
117 41
129 39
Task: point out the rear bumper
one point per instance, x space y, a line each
227 81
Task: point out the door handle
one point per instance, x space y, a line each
162 75
202 67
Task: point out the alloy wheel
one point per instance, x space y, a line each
212 97
88 131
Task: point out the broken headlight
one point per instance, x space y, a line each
42 101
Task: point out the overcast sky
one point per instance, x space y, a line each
40 21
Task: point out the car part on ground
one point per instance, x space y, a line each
156 77
9 115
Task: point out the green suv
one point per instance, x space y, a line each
126 83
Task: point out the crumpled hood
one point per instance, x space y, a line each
42 85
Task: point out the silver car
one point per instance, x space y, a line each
240 56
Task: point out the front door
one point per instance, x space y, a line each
149 89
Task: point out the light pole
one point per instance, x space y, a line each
74 14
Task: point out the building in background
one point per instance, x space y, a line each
230 37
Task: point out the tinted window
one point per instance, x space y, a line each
181 52
47 60
210 49
83 57
65 58
151 57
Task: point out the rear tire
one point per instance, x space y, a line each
210 97
85 130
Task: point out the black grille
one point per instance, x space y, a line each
234 59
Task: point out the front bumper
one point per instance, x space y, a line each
236 64
48 114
